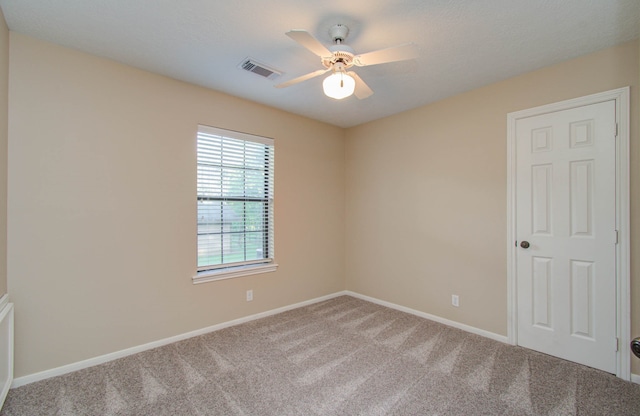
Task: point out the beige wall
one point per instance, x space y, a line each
102 209
426 192
4 110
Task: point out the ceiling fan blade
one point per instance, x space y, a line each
303 78
305 39
362 90
392 54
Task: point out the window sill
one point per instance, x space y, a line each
230 273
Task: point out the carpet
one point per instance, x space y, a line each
344 356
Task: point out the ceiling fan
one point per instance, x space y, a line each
340 57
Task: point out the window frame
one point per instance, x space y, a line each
222 271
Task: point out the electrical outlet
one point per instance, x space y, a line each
249 295
455 300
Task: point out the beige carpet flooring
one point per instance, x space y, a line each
343 356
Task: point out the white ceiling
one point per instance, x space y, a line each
463 44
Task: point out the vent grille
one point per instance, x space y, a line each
251 65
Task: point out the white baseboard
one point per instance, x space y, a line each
58 371
6 347
635 378
473 330
20 381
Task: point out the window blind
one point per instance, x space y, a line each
235 199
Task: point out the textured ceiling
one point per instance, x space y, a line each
463 44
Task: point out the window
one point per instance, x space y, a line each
235 204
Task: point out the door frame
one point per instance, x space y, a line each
623 300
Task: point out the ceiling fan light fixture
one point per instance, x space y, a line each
339 85
339 57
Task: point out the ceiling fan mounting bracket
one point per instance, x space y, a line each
338 33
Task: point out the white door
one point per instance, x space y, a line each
565 225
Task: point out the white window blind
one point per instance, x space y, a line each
235 199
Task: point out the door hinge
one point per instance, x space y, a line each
616 237
616 131
617 344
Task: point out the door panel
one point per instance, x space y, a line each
565 209
541 291
542 186
581 198
582 312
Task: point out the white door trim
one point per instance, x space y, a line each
623 307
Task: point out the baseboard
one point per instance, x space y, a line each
467 328
58 371
6 347
635 378
20 381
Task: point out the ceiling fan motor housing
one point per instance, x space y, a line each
339 53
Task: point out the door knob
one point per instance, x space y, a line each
524 244
635 347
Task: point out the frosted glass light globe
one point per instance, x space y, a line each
339 85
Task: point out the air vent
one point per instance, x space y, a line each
258 68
